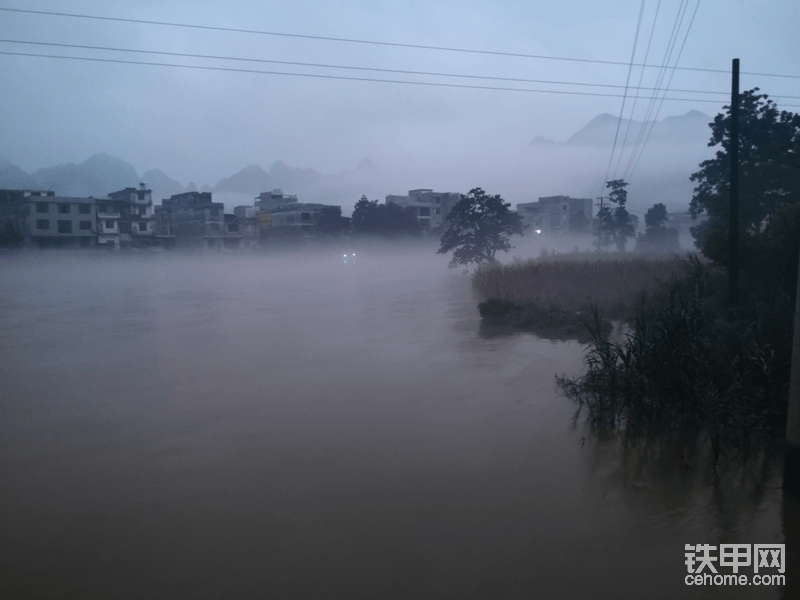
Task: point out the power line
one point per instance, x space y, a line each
673 38
372 42
342 77
641 76
625 95
661 103
329 66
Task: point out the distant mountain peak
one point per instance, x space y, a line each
279 166
252 169
250 180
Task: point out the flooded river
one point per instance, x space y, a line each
284 427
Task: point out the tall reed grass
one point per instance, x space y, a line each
574 282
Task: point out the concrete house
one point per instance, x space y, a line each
193 219
136 221
431 208
298 215
269 201
11 207
50 221
556 214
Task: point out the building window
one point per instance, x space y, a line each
140 195
424 211
214 212
42 224
63 209
85 225
142 226
65 226
109 223
438 211
42 207
85 209
305 217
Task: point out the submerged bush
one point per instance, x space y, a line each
686 366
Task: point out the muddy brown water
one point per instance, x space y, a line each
203 426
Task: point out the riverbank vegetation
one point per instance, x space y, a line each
553 296
688 367
696 365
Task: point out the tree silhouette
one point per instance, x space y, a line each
370 217
769 192
478 226
657 237
769 174
614 225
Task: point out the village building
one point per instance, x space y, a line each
556 214
269 201
193 219
299 215
136 216
431 208
49 221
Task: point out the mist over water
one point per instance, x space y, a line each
233 426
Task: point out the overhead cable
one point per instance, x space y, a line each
358 41
341 77
625 95
349 67
661 102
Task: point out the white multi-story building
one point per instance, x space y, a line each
56 221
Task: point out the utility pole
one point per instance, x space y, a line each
791 465
733 225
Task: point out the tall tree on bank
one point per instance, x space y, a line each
657 237
614 224
769 190
477 227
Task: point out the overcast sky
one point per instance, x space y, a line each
201 125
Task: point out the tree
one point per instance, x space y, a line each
332 222
657 237
389 219
769 147
578 223
478 226
614 225
769 186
